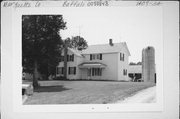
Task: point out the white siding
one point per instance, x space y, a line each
110 72
75 63
123 65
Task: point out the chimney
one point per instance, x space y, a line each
110 42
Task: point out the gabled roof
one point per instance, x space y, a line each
102 48
76 52
126 47
106 48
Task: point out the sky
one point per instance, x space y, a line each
139 27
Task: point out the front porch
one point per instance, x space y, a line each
92 70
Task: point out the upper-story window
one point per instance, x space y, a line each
69 58
61 58
95 56
122 56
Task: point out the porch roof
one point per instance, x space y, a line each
92 65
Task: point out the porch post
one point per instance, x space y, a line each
89 73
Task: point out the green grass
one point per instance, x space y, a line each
84 92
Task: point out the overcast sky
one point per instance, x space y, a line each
139 27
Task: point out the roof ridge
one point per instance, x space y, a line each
101 48
106 44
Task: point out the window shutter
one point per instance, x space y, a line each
62 71
123 56
100 56
120 56
74 70
90 56
69 70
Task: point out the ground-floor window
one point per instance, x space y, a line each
96 72
60 70
89 72
72 70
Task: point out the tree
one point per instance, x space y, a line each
77 42
41 44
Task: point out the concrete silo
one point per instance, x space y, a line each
148 64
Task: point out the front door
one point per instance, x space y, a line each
89 73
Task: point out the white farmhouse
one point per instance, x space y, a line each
97 62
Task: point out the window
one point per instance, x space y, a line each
72 70
60 70
124 72
61 58
72 57
122 56
98 56
95 56
69 58
96 72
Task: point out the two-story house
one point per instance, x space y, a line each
101 62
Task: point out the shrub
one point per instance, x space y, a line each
59 78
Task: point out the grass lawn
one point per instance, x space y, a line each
84 92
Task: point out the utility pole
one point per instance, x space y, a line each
65 59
